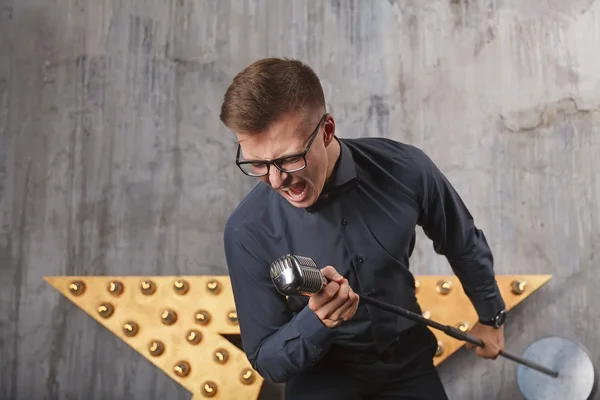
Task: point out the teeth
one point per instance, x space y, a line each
288 190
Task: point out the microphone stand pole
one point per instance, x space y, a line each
453 332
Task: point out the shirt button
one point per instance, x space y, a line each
344 222
359 260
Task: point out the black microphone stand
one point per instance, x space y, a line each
452 331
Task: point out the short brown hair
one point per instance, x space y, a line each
266 90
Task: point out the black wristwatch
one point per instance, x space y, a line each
497 321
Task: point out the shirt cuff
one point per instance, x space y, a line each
488 308
313 330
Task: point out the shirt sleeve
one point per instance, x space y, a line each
277 343
446 220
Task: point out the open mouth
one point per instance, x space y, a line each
295 192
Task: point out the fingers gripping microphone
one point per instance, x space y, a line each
294 275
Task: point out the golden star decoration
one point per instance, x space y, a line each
177 322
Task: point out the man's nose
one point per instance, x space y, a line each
276 177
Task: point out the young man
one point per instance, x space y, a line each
352 205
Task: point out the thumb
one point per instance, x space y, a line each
331 274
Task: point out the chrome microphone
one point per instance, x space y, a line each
293 275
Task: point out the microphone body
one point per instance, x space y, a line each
293 275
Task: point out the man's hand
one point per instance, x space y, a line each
336 302
493 339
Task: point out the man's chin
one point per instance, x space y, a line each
304 204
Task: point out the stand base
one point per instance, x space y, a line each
577 380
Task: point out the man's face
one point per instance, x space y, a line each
290 135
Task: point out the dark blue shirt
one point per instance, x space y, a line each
363 225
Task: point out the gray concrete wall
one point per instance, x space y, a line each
113 160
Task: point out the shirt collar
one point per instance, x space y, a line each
345 170
342 178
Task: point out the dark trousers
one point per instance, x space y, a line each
405 371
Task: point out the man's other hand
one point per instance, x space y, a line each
336 302
493 340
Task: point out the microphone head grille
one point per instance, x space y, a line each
283 263
313 281
286 275
305 261
293 275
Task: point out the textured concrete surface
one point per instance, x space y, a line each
113 160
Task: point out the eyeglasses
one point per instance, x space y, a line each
290 163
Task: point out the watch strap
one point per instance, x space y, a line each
497 321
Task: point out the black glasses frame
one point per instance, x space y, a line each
275 161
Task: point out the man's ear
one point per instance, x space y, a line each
328 129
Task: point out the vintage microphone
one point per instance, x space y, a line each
293 275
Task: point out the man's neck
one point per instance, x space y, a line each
333 155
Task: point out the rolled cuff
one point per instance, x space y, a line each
488 308
313 330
